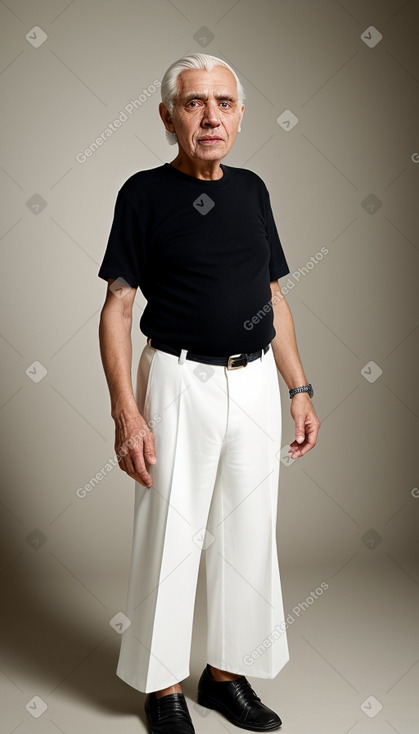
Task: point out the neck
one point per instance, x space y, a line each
206 170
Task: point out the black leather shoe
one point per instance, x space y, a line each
238 702
168 714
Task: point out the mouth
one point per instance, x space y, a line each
210 140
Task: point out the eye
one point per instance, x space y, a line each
193 102
227 104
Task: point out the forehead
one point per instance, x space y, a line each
219 79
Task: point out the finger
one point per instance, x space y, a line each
122 464
150 448
295 452
308 444
129 467
300 432
139 472
131 461
303 449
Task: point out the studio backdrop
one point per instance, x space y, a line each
331 125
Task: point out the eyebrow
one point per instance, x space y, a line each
203 97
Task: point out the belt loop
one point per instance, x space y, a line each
183 353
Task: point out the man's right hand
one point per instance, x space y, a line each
134 447
134 441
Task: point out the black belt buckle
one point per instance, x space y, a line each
233 358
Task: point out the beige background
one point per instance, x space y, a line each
348 510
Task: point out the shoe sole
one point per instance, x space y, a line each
210 703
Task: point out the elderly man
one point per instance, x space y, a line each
202 435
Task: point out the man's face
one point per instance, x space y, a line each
206 114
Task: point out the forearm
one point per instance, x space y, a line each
284 344
116 354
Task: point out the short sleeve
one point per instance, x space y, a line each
125 251
278 265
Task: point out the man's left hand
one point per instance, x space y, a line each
306 425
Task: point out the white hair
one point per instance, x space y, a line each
169 87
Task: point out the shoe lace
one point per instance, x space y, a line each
244 692
167 709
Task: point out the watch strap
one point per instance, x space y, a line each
302 388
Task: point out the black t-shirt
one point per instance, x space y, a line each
203 253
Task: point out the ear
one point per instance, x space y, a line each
241 113
165 116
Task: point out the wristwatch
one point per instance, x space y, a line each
302 388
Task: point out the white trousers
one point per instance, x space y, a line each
215 491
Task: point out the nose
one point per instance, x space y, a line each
210 117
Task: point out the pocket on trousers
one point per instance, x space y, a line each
146 388
144 373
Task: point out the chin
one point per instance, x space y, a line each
210 153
